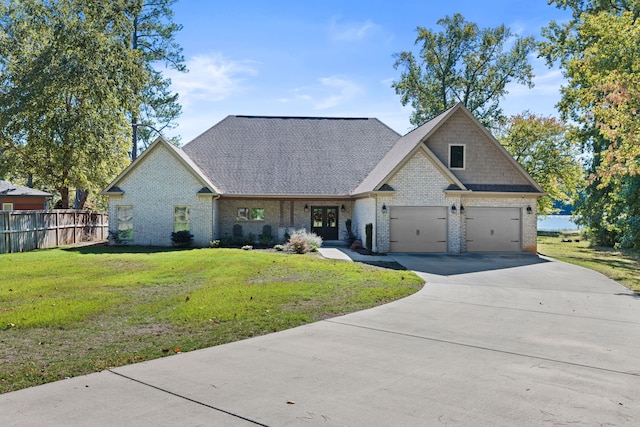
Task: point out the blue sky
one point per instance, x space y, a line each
330 58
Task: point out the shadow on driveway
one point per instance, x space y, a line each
454 264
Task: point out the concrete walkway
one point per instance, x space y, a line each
491 340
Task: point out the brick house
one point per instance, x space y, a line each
18 198
446 186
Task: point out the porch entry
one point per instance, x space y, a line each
324 222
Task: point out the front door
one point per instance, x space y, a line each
324 222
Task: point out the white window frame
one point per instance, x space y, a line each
178 220
120 222
464 156
242 214
7 206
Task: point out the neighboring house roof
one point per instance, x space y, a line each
208 186
9 189
315 156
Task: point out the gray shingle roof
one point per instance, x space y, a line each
9 189
250 155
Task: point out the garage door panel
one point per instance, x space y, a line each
493 229
418 229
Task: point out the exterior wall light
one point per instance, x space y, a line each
454 209
306 207
529 210
461 209
343 209
384 208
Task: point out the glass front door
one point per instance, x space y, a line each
324 222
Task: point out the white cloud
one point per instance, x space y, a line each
342 90
331 92
352 31
210 78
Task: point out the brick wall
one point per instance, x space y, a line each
157 184
283 215
420 183
417 183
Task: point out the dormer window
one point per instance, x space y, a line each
456 157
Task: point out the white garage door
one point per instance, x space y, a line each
493 229
418 229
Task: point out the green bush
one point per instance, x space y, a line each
181 239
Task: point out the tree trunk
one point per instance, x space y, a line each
64 193
83 199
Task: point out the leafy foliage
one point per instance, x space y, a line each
544 149
67 78
154 37
181 239
463 63
598 53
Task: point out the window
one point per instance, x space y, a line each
125 222
257 214
243 214
181 218
7 206
456 157
250 214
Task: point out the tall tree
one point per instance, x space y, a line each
598 53
154 36
68 77
462 63
542 146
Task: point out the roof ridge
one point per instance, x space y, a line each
301 117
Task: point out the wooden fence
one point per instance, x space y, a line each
22 231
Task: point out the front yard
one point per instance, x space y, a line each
68 312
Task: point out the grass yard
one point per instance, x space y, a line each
619 265
68 312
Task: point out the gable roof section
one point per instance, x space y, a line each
208 187
408 145
314 156
533 187
402 151
9 189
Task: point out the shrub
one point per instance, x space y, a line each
301 241
247 247
181 239
280 248
265 238
214 244
351 237
368 229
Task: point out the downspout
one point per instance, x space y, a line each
213 216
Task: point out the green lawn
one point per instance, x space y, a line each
619 265
67 312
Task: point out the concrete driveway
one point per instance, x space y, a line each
491 340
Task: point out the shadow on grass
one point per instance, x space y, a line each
103 248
